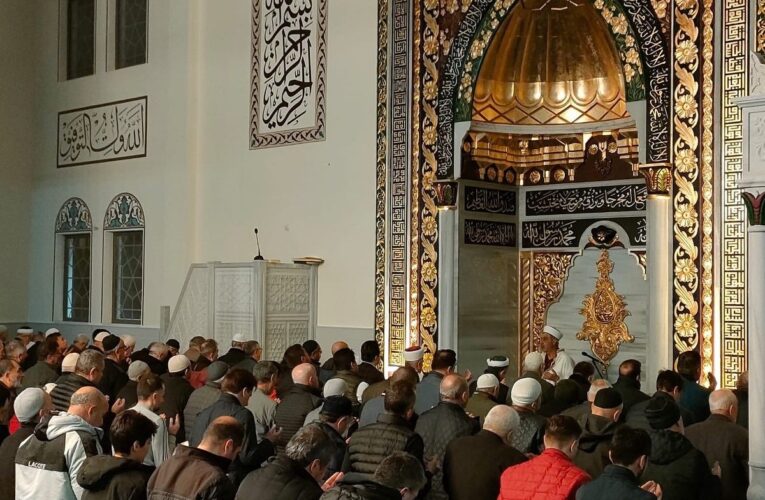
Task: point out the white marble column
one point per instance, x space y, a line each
658 271
756 348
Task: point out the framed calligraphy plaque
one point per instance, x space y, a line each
483 232
491 201
557 233
101 133
288 73
598 199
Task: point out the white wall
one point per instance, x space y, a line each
201 187
16 127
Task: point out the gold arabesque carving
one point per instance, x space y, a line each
658 177
604 313
549 275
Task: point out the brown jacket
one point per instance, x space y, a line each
192 474
721 440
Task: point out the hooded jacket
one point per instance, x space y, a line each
594 443
681 470
8 457
105 477
48 461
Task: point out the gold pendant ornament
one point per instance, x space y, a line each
604 312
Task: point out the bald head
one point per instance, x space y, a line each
502 420
454 389
405 374
90 405
630 368
595 387
305 374
339 345
724 402
223 437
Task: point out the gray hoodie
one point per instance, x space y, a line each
48 461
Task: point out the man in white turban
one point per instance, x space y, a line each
558 365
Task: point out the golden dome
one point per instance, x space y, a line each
551 62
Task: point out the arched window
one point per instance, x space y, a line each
124 225
74 228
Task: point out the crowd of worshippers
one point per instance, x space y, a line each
101 419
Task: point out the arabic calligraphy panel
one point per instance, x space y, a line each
288 72
104 132
567 233
587 200
483 232
490 201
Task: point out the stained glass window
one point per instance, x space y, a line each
127 286
77 277
130 33
80 38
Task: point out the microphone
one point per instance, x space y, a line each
596 362
257 241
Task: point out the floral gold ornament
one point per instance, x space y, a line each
760 28
604 312
658 177
550 271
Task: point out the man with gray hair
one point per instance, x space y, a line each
16 351
81 342
48 461
297 474
474 464
532 368
723 441
399 475
443 423
87 373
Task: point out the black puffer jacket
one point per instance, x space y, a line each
528 437
371 444
594 443
291 412
282 479
65 387
438 427
680 469
359 487
177 393
113 478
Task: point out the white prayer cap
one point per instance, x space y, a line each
178 363
552 331
498 362
101 336
128 340
25 331
28 404
413 353
49 387
487 381
239 337
51 331
525 391
335 387
533 361
69 362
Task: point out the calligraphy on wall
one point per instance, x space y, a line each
288 80
483 232
567 233
101 133
625 198
490 201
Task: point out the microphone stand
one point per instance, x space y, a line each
596 363
257 241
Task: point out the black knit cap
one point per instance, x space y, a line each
110 343
662 412
337 406
607 398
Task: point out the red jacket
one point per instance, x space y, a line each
550 476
